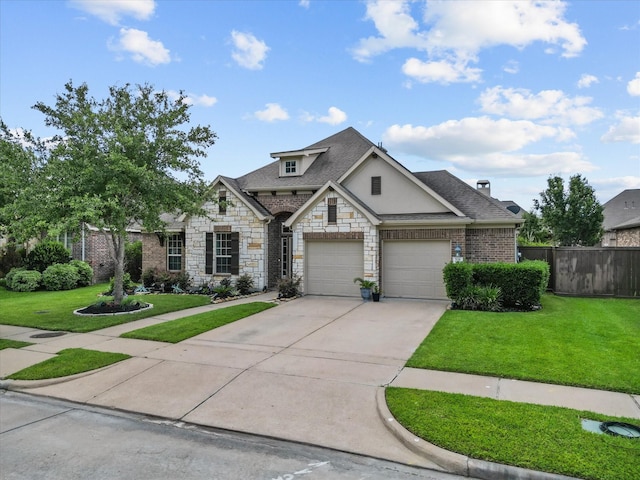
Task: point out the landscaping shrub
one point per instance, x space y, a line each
21 280
127 284
85 272
46 254
149 277
133 260
244 284
289 287
458 278
492 286
180 279
60 276
11 257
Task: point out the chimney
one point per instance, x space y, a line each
484 187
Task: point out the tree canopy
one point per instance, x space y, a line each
574 215
121 160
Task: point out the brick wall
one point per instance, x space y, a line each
283 203
455 235
154 256
98 250
490 245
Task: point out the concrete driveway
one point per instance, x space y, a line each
308 370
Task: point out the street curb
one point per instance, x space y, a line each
454 462
20 385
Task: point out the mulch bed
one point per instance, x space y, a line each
110 307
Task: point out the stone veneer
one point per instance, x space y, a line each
239 218
350 223
628 238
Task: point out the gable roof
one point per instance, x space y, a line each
343 149
621 209
232 184
474 204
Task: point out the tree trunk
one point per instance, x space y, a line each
119 242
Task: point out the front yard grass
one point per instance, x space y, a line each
177 330
69 362
536 437
54 310
6 343
586 342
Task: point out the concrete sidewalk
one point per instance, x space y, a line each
312 370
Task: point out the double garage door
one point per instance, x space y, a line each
410 269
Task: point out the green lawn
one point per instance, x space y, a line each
69 362
541 438
5 343
586 342
177 330
54 310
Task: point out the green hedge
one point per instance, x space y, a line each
521 285
21 280
60 276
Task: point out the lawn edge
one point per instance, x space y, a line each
453 462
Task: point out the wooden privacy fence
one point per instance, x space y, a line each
590 271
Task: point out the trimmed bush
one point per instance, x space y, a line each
21 280
85 272
244 284
60 276
46 254
511 285
289 287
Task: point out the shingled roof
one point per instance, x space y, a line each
344 149
622 211
465 198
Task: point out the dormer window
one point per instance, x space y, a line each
290 167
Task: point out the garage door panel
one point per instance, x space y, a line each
331 267
413 269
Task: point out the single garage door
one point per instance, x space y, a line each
413 269
332 265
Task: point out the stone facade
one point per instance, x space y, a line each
350 224
237 218
629 237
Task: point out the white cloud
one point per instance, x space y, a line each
587 80
626 130
618 183
633 87
455 32
272 113
549 106
487 146
511 67
249 51
440 71
111 11
193 99
141 48
335 116
304 3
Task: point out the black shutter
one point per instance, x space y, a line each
235 253
376 185
209 245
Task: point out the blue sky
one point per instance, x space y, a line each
512 92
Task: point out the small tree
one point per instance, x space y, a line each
120 160
573 216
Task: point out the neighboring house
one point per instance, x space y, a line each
95 248
622 220
335 210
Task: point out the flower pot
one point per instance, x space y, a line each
365 293
375 296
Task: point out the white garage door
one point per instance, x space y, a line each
331 267
413 269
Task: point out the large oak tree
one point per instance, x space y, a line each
121 160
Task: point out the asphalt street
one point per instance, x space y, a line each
43 438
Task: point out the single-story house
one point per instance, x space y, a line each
335 210
621 222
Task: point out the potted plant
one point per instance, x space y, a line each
375 293
365 287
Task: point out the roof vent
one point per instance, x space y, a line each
381 147
484 187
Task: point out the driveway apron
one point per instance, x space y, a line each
308 371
